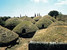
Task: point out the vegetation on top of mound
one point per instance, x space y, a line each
12 22
58 23
43 23
37 18
28 19
52 34
6 35
49 17
25 28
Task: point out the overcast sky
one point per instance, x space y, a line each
30 7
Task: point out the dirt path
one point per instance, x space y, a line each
3 48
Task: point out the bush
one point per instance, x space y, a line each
6 36
28 19
2 23
52 34
37 18
26 28
53 13
43 23
12 22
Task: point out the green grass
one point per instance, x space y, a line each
27 25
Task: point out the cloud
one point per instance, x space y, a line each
61 2
37 1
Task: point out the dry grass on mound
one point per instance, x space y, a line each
52 34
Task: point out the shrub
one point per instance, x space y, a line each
6 36
37 18
52 34
43 23
28 19
2 23
12 22
26 28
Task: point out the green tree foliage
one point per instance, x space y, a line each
53 13
2 20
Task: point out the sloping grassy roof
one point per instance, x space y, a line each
52 34
25 27
12 22
6 35
43 23
27 19
37 18
58 23
49 17
62 17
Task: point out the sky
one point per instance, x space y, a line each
30 7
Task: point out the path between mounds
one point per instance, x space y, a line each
25 45
3 48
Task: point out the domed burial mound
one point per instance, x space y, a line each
52 34
37 18
49 17
58 23
43 23
12 22
28 19
25 29
7 37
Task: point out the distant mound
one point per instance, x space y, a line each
43 23
37 18
52 34
49 17
7 37
62 17
26 28
12 22
58 23
28 19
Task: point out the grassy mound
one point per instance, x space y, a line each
52 34
37 18
25 28
12 22
43 23
49 17
6 36
58 23
28 19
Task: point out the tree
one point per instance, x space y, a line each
53 13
